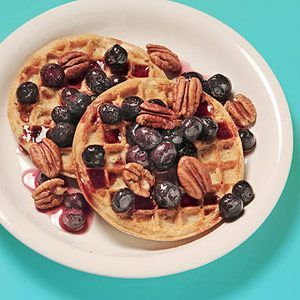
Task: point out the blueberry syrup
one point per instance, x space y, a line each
187 200
30 178
168 175
210 198
24 111
112 136
140 71
143 203
112 178
224 131
204 109
34 133
97 178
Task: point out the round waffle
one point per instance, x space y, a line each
223 158
29 123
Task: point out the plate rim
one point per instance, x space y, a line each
83 264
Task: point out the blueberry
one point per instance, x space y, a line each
166 194
110 113
42 178
116 79
163 156
68 95
93 156
137 155
78 107
218 87
147 138
243 190
187 149
75 200
231 206
192 128
52 75
174 136
248 140
61 114
131 107
158 102
130 133
62 134
122 200
209 130
73 219
116 58
97 81
27 93
190 75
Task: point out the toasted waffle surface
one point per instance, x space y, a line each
25 120
223 158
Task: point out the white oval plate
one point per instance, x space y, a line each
210 47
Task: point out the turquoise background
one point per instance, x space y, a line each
266 266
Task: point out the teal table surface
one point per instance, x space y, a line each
266 266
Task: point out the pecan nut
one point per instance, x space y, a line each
138 179
156 116
194 177
47 157
186 96
75 64
242 110
49 194
163 57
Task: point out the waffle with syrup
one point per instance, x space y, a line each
223 158
30 122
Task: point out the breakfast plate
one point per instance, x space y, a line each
204 45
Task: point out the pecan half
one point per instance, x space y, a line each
241 110
156 116
75 64
186 96
138 179
163 57
49 194
47 157
194 177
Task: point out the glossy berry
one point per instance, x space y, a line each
62 134
73 219
188 149
93 156
75 200
27 93
158 102
190 75
61 114
42 178
52 75
243 190
137 155
248 140
110 113
166 194
116 58
163 156
218 87
209 130
231 206
131 107
147 138
122 200
130 133
174 136
116 79
78 107
97 81
191 128
68 95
